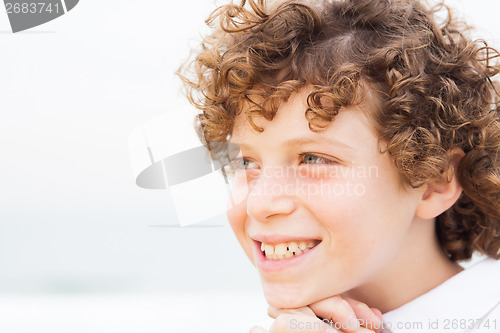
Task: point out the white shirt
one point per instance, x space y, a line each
467 302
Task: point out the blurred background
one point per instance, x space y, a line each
82 248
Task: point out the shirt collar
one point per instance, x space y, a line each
469 294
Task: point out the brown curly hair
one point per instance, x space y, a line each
435 85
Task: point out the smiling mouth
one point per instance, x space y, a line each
287 250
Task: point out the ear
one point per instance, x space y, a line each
441 194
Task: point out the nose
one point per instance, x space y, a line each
270 195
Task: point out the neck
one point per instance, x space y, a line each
420 266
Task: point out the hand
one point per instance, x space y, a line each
333 314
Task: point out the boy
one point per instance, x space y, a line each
316 94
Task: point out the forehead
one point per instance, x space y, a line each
352 127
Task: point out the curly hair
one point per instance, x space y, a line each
435 84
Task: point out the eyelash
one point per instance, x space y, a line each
326 160
301 158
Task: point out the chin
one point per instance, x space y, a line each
285 302
283 297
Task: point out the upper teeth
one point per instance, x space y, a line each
287 250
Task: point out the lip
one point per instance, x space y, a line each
268 266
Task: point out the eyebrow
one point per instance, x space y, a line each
300 141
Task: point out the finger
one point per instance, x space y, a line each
257 329
293 323
378 313
366 315
274 312
377 327
337 310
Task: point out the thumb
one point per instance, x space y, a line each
349 312
370 318
337 310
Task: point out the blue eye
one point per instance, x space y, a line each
309 158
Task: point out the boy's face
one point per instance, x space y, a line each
343 193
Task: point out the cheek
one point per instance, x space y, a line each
236 212
342 204
362 216
236 205
363 231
